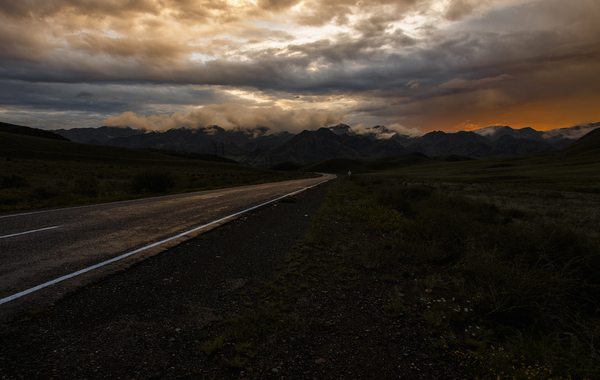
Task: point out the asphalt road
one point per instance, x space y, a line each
37 248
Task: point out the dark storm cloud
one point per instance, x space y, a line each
85 94
145 56
36 100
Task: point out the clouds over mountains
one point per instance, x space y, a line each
429 64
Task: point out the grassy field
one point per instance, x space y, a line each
521 266
498 259
37 172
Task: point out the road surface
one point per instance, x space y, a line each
45 254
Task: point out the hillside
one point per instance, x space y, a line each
323 144
234 144
98 136
587 145
28 131
367 165
31 147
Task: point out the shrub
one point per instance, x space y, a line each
376 217
400 198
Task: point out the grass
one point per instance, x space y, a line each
39 173
527 277
504 276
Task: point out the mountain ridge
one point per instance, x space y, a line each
258 147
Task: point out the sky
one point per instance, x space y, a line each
412 65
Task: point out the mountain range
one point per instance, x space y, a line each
258 147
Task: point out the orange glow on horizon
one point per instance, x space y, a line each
541 116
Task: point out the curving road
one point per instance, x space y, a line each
48 249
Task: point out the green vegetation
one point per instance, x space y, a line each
37 172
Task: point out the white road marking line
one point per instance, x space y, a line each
29 232
82 271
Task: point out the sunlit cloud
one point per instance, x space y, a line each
228 115
419 64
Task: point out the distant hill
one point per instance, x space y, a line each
13 145
511 146
191 155
260 148
440 143
497 131
234 144
323 144
28 131
586 145
366 165
560 137
98 136
572 133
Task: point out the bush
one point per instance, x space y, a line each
153 182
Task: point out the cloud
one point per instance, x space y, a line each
84 94
403 130
457 9
385 132
416 63
413 84
232 116
461 83
277 5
